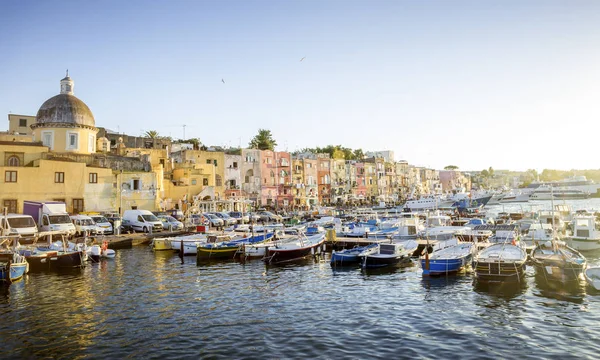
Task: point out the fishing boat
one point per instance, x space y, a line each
449 260
586 236
501 262
349 257
228 249
555 261
260 250
12 265
302 247
388 254
41 258
592 277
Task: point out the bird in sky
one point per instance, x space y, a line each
223 81
303 58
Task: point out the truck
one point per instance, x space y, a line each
19 225
50 216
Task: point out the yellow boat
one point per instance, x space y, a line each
160 244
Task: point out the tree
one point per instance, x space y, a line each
451 167
152 134
263 140
359 154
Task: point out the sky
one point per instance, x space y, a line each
476 84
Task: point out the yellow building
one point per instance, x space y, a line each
61 163
20 124
371 182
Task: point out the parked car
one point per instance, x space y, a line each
207 219
267 216
170 223
227 220
126 227
254 217
241 218
103 226
83 225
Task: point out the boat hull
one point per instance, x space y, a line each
445 266
584 244
500 271
53 260
10 272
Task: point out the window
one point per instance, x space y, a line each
47 139
205 182
13 161
209 161
77 206
136 184
93 178
10 176
235 165
91 143
22 122
194 181
11 205
218 180
59 177
72 141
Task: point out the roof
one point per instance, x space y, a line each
65 109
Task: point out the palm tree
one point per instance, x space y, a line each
263 140
152 134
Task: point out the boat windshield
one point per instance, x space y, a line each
60 219
21 222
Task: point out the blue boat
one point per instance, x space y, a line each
349 257
388 254
449 260
12 266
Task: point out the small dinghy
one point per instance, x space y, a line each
592 276
449 260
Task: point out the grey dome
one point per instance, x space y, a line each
64 109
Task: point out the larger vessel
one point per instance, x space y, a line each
580 183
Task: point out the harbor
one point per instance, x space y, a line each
145 303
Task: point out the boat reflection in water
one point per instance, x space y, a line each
572 291
501 289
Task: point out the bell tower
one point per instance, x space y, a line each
67 85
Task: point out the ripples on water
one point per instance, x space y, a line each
148 305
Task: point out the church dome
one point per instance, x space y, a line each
64 109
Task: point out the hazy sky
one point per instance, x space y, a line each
508 84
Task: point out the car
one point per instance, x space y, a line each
267 216
103 226
126 227
207 219
241 218
227 220
253 217
170 223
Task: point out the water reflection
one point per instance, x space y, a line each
572 291
500 289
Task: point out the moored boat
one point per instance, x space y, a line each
349 257
501 262
12 266
449 260
228 249
586 236
388 254
592 277
554 261
302 247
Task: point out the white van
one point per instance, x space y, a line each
18 224
83 224
143 220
